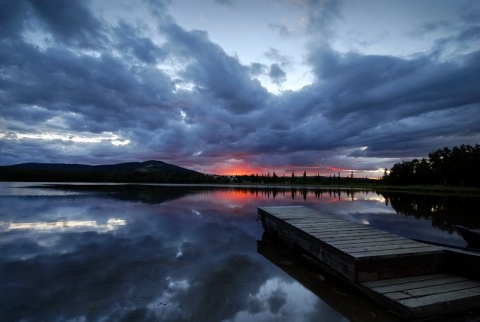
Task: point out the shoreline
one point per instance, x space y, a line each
417 189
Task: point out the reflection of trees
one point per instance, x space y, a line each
127 192
154 194
443 211
297 192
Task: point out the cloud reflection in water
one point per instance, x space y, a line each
175 254
189 259
63 225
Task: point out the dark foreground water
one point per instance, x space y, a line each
185 253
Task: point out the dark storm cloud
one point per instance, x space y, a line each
321 17
390 105
97 88
13 16
470 34
371 90
70 22
219 77
140 47
471 13
103 91
95 93
276 73
257 69
432 26
277 56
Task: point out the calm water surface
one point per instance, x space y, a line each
180 253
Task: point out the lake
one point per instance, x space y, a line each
117 252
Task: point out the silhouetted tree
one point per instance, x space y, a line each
456 166
274 177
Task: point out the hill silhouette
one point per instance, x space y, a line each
149 172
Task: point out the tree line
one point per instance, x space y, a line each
458 166
301 179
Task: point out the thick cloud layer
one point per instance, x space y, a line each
89 83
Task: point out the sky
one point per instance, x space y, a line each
238 87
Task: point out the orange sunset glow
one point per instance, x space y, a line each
241 197
232 167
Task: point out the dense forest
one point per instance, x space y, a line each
303 179
458 166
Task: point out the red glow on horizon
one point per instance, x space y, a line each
239 165
245 169
232 166
239 170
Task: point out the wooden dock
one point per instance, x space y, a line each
406 276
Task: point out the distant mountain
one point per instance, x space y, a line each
149 171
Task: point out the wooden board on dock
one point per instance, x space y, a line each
405 275
357 251
426 295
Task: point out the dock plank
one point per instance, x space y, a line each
400 281
325 228
470 294
366 240
406 275
419 292
418 284
376 247
393 252
340 236
427 295
334 228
